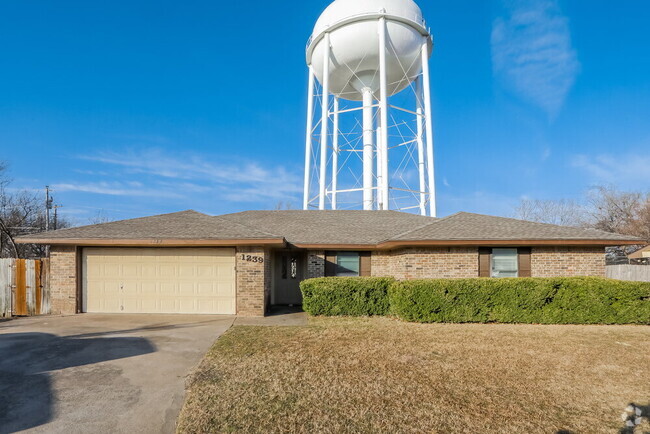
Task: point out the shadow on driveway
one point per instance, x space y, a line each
26 393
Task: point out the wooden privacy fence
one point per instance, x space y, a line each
640 273
24 287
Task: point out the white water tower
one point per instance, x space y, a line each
370 143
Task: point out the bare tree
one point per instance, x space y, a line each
283 205
613 210
640 225
21 213
99 218
558 212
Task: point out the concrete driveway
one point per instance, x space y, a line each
100 373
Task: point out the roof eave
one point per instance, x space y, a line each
330 246
174 242
512 242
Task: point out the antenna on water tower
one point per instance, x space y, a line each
373 132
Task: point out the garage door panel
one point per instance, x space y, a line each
130 270
167 270
186 271
186 289
206 289
207 270
109 269
149 270
224 289
159 280
149 289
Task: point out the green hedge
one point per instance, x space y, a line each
355 296
561 300
570 300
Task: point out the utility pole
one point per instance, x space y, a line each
48 207
56 214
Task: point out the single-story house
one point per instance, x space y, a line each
242 263
641 256
641 253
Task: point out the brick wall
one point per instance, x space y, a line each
315 263
567 261
63 279
253 281
421 263
457 262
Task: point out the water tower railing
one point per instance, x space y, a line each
416 19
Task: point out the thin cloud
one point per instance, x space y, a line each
532 53
233 181
114 189
193 166
626 171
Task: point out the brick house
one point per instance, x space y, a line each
243 263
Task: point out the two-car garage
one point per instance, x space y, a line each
158 280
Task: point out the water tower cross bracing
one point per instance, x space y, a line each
369 136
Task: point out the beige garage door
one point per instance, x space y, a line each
159 280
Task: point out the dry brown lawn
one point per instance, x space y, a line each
382 375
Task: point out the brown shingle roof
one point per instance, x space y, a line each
324 228
468 226
331 227
184 225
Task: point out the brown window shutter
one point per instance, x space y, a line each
523 256
364 264
484 261
330 263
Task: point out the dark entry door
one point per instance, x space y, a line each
289 271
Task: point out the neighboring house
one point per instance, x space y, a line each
242 263
641 256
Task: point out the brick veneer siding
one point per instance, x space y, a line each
63 279
422 263
567 261
253 281
315 263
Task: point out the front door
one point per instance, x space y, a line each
288 272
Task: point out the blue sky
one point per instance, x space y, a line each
143 107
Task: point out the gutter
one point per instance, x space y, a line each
392 244
150 242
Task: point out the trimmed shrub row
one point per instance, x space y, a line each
355 296
562 300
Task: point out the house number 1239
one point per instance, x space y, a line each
251 258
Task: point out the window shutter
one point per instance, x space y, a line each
364 264
330 263
484 261
523 255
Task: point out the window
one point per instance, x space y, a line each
504 263
347 264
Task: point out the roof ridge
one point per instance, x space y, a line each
218 217
437 220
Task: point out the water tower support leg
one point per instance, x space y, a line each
380 166
420 141
368 133
308 138
429 126
335 154
324 123
383 107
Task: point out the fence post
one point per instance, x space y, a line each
45 286
6 287
20 293
38 288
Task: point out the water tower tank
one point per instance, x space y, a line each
354 45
